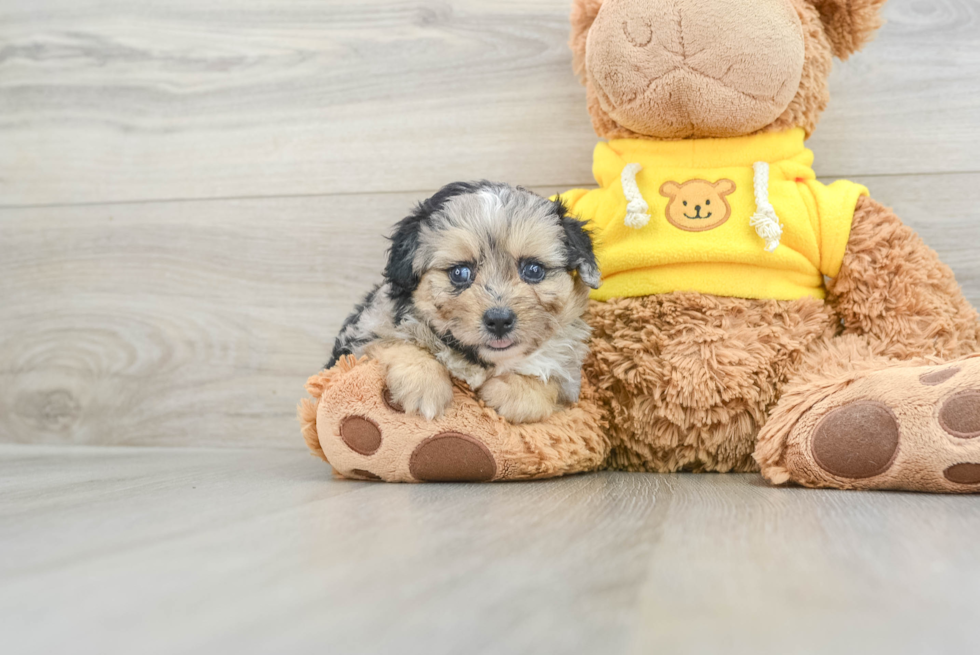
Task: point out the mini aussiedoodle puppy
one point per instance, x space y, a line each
486 283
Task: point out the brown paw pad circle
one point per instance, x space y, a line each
390 403
960 415
859 440
361 435
452 457
936 378
963 473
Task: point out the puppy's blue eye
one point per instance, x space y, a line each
532 272
460 275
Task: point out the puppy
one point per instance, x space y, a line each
486 283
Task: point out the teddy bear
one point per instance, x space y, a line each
751 317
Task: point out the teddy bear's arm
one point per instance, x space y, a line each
895 290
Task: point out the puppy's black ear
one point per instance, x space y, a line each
579 255
401 256
400 269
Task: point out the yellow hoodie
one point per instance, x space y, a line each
742 217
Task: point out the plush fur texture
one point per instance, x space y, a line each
894 290
849 24
486 283
686 379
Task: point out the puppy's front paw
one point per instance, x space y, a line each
422 388
521 399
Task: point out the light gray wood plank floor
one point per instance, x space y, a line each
114 550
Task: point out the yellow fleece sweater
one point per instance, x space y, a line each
701 215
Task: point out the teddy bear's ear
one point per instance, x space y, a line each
850 24
583 15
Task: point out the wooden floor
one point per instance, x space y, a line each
192 196
121 550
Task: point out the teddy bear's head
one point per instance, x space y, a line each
676 69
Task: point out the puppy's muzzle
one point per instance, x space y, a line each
499 321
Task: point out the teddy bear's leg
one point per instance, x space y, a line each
353 423
873 408
894 290
855 420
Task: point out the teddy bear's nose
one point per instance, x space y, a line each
697 208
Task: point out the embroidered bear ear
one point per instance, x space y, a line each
849 24
670 189
584 13
724 187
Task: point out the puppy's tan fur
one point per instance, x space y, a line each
417 381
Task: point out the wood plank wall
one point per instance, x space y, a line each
193 194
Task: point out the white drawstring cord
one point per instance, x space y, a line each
765 221
637 208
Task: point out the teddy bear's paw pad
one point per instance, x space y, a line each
390 403
935 378
914 428
858 440
960 415
362 435
365 475
963 474
452 457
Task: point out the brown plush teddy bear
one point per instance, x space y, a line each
750 317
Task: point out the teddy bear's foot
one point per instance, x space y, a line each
354 425
912 428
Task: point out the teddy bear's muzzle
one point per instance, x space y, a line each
728 69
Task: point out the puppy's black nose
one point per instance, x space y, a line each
499 321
